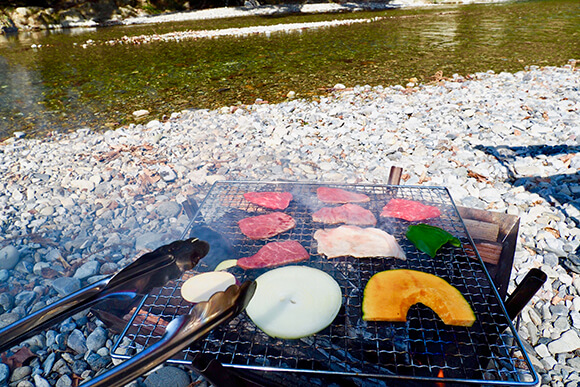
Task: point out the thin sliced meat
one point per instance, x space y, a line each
409 210
273 200
266 226
347 213
357 242
337 195
275 254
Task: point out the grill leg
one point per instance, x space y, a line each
531 283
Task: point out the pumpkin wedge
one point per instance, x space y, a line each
389 294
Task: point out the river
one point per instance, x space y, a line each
56 82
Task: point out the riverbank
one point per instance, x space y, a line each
91 15
83 205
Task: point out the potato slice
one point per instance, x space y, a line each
294 301
201 287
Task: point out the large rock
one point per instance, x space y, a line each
9 257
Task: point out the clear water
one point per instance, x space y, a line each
62 86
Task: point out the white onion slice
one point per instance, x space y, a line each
224 265
201 287
294 301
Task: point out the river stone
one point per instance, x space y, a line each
66 285
9 257
148 241
20 373
568 342
8 318
48 363
165 376
97 362
25 298
64 381
167 174
168 209
97 339
4 374
89 269
77 342
6 301
39 381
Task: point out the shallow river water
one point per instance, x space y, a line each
63 86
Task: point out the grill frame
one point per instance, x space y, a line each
417 350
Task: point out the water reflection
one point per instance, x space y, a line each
36 37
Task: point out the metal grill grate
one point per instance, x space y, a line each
423 348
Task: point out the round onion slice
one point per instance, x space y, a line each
201 287
294 301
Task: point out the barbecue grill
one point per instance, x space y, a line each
423 349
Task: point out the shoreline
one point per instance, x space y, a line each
81 206
233 12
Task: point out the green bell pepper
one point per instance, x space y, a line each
429 239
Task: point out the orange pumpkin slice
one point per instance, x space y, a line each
389 294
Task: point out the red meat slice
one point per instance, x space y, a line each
266 226
337 195
409 210
275 254
347 213
273 200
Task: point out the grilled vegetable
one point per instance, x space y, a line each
294 301
429 239
389 294
201 287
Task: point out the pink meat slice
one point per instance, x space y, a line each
266 226
337 195
273 200
409 210
347 213
275 254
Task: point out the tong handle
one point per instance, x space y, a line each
179 334
51 314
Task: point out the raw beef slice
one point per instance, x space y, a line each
275 254
357 242
273 200
337 195
347 213
409 210
266 226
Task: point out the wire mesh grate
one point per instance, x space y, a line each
423 348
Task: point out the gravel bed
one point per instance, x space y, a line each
80 206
